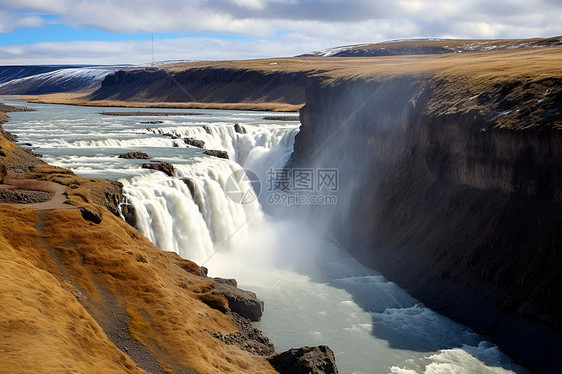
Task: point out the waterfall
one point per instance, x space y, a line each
260 138
193 214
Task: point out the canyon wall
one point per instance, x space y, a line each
208 85
453 190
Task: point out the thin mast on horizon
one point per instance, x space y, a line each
153 62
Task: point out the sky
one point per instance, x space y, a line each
121 32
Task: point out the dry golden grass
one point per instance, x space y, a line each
78 99
507 63
45 328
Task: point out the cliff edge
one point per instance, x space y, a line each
451 186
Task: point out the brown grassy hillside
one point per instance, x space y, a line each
78 296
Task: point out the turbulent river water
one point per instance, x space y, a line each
314 292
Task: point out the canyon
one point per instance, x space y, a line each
450 185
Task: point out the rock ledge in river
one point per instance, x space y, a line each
305 360
164 167
245 303
216 153
194 142
135 156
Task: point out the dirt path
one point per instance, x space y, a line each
57 200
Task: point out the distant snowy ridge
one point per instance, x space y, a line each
430 46
60 80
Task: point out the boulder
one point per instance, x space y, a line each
245 303
135 156
240 129
216 153
129 214
113 197
164 167
194 142
305 360
90 215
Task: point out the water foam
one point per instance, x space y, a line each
209 219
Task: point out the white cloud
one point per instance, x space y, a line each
138 52
40 6
242 16
305 25
8 23
251 4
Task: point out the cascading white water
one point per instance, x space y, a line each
239 146
314 293
208 219
167 216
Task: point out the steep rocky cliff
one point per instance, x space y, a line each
208 85
450 184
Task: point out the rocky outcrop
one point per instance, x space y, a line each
305 360
135 156
240 129
454 194
151 122
10 108
190 184
217 153
194 142
164 167
247 337
16 160
244 303
90 215
113 195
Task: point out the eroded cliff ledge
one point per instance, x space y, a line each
204 85
451 186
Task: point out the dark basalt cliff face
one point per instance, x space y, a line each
208 85
454 194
